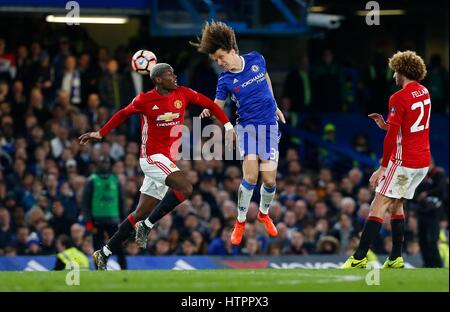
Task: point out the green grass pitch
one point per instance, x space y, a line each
289 280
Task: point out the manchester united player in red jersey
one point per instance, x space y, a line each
406 157
162 109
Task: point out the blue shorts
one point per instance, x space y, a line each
260 140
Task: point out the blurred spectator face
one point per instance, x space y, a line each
132 249
70 63
22 235
222 196
347 185
413 248
309 231
102 54
93 101
294 168
292 155
112 66
51 181
19 215
297 240
48 236
225 236
282 231
36 215
191 222
348 205
184 165
275 211
87 246
322 225
188 248
84 61
130 161
33 247
311 196
355 175
133 148
19 166
37 134
4 218
345 221
300 209
197 237
327 56
387 243
364 211
63 98
360 143
204 211
162 247
192 176
119 168
251 246
330 188
22 52
412 224
320 210
290 219
252 212
229 209
364 195
77 232
250 230
35 48
325 175
18 87
39 154
215 224
274 250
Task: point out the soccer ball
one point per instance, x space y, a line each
142 61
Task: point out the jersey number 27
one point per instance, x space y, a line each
416 127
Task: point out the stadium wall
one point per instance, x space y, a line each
46 263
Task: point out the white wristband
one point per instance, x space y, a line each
228 126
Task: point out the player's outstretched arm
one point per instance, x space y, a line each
90 137
207 113
279 113
116 120
379 120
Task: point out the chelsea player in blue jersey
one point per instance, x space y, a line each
246 80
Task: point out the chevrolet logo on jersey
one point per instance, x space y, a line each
168 117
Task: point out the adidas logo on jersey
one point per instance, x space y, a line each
235 80
155 107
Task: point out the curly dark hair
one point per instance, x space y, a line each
215 36
408 64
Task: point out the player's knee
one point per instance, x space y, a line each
269 182
251 178
187 190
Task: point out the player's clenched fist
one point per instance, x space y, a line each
90 137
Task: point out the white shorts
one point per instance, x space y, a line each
156 169
400 182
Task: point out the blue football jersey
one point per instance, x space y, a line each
250 91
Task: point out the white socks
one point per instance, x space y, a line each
244 197
149 224
106 251
267 194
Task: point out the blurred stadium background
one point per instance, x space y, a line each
328 74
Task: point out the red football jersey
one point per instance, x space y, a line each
160 114
410 108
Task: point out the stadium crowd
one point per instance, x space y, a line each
50 95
